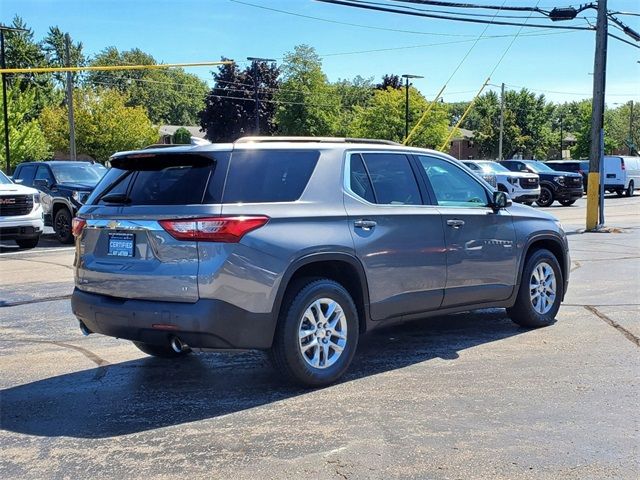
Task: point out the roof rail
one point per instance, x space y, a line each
257 139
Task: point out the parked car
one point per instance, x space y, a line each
521 187
484 174
565 187
575 166
21 216
64 187
622 174
298 246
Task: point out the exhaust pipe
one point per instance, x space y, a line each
178 345
84 329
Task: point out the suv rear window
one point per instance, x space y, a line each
263 176
159 180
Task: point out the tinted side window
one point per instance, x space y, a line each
258 176
359 182
451 185
43 173
393 180
26 174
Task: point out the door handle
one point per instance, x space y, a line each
455 223
365 224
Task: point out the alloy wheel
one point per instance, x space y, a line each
542 288
322 333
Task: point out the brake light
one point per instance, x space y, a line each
77 225
213 229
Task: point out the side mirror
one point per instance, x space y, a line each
500 200
41 183
17 180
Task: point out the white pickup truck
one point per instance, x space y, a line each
521 187
21 217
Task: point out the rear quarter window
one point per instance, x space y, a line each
266 176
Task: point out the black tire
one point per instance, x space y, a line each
620 192
162 351
630 189
28 242
528 204
286 353
62 226
546 197
523 312
567 203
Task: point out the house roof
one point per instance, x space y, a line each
195 131
463 134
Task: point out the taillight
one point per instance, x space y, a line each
213 229
77 225
622 163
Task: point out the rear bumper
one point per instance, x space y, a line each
203 324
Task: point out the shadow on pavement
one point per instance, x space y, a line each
150 393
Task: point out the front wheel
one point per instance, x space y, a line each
620 192
546 197
540 293
317 333
567 203
630 189
28 242
62 226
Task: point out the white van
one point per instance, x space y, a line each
621 174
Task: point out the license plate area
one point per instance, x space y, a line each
121 244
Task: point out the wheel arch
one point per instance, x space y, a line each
341 267
549 242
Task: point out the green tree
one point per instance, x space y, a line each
308 104
26 139
24 51
104 124
582 149
384 118
170 96
181 136
53 46
353 95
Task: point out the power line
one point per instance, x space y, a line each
623 40
446 17
449 12
472 5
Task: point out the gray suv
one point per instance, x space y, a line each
300 245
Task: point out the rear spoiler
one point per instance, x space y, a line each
159 161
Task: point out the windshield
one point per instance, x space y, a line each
4 180
539 167
493 167
88 173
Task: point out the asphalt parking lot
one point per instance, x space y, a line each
458 397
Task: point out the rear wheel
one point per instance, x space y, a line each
567 203
162 351
546 197
620 192
541 291
62 226
317 333
630 189
28 242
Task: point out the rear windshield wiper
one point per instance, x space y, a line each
116 198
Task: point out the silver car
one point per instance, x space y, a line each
300 245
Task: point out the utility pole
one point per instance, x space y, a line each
5 112
407 76
595 208
501 123
561 137
631 146
255 61
72 125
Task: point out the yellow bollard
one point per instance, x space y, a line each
593 191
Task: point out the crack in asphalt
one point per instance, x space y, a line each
576 265
70 267
629 335
17 303
101 362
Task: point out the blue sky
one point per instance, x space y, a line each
556 64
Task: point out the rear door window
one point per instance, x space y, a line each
264 176
392 178
359 181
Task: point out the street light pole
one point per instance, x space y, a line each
561 138
501 123
72 125
407 76
255 61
